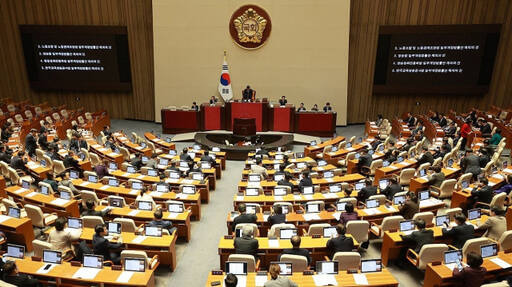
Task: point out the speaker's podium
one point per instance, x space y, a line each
244 127
257 110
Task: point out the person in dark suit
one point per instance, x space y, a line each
283 101
305 181
231 280
73 144
340 243
472 275
277 215
243 217
286 180
366 191
301 108
137 161
365 160
31 143
296 250
43 141
52 182
437 178
45 127
70 162
246 244
194 107
247 94
90 209
427 156
410 207
391 189
410 120
460 233
106 131
482 193
4 155
450 129
484 158
471 164
102 246
485 128
184 156
213 100
158 222
442 121
327 107
12 276
349 214
420 237
206 157
18 162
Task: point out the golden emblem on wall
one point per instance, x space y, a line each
250 26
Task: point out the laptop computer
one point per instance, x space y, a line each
175 207
134 264
114 227
308 189
474 213
236 268
15 251
188 189
441 219
14 212
278 177
327 267
372 203
383 183
286 268
359 185
287 233
65 195
398 199
489 250
155 231
93 261
279 191
75 223
330 232
144 205
371 265
313 207
115 202
51 256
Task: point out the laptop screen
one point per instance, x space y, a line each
286 268
334 188
162 187
189 189
134 264
50 256
25 184
113 182
164 161
452 256
144 205
112 165
196 147
441 219
205 165
152 172
174 175
465 184
14 212
16 251
73 174
327 267
424 195
252 192
93 261
215 149
398 199
65 195
45 190
371 265
450 162
43 163
301 165
197 176
313 208
92 178
340 206
75 223
114 227
348 145
279 191
130 169
357 156
137 185
489 250
372 203
385 163
172 152
278 177
330 232
307 189
359 185
143 145
328 174
145 159
279 156
287 233
474 213
115 202
406 225
155 231
312 143
251 209
422 172
322 163
175 207
236 268
254 178
400 159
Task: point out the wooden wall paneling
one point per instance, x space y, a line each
367 15
136 15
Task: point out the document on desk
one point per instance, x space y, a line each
138 239
112 154
273 243
134 191
278 198
239 198
181 196
242 281
360 279
507 170
329 195
260 280
297 197
391 208
325 280
133 213
59 201
124 277
172 215
140 176
86 273
156 193
32 194
311 216
4 218
372 211
329 179
20 190
84 183
308 196
42 270
104 187
501 263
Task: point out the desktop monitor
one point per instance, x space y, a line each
441 219
188 189
134 264
172 152
175 207
423 172
45 190
145 159
327 267
51 256
73 174
398 199
279 156
278 177
312 143
174 175
236 268
328 174
252 192
385 163
130 169
196 147
464 184
452 256
474 213
371 152
197 176
254 178
155 231
137 185
335 188
334 149
424 195
112 166
348 145
287 233
359 185
313 207
279 191
399 159
14 212
206 165
93 261
113 182
15 251
75 223
144 205
371 265
143 145
357 156
308 189
250 209
114 227
340 206
330 232
286 268
372 203
489 250
406 225
164 161
152 172
383 183
215 149
65 195
92 178
162 187
43 163
115 202
25 184
322 163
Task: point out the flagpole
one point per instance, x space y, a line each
225 53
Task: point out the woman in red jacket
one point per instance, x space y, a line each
464 132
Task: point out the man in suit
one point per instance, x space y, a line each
247 94
485 128
246 244
495 225
283 101
184 156
206 157
484 157
410 207
301 108
391 189
158 222
410 120
18 162
101 245
327 107
258 168
471 164
341 243
74 144
420 237
365 160
482 193
91 211
286 180
106 131
137 161
437 178
305 181
12 276
460 233
442 121
366 191
243 217
43 141
52 182
213 100
31 143
277 215
194 107
45 127
70 162
4 155
426 157
296 250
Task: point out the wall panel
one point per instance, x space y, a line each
135 14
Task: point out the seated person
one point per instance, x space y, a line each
301 108
495 225
247 94
11 276
410 207
283 101
152 161
52 182
305 181
101 245
62 239
419 237
184 156
450 129
206 157
366 191
341 243
106 131
144 195
101 169
276 280
194 107
164 224
496 138
296 250
231 280
437 178
365 160
481 193
460 233
507 188
427 156
43 140
327 107
70 162
286 180
66 181
349 214
472 275
137 161
391 189
18 162
246 244
90 209
213 100
243 217
277 215
314 108
258 168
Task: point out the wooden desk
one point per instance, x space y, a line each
159 143
18 230
334 157
84 164
383 278
352 164
509 218
440 275
104 152
132 147
37 170
313 150
371 129
421 183
63 275
47 203
460 197
221 155
393 169
400 129
316 246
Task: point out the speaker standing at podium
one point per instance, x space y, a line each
248 94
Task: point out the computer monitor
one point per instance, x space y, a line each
371 152
250 209
452 256
322 163
504 164
279 176
381 148
14 212
112 166
15 251
286 268
308 189
328 174
383 183
313 207
113 182
115 202
372 203
73 174
301 165
172 152
252 191
424 195
412 154
197 176
134 264
406 225
348 145
137 185
175 207
25 184
385 163
188 189
327 267
92 178
340 206
155 231
206 165
75 223
474 213
164 161
359 140
93 261
330 231
334 149
359 185
116 150
371 265
213 156
162 187
287 233
196 147
51 256
143 145
45 190
450 162
254 178
464 184
65 195
312 143
279 156
357 156
152 172
399 159
144 205
144 159
174 175
285 209
489 250
423 172
191 154
215 149
299 155
130 169
114 227
236 268
441 219
168 140
279 191
335 188
398 199
43 163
